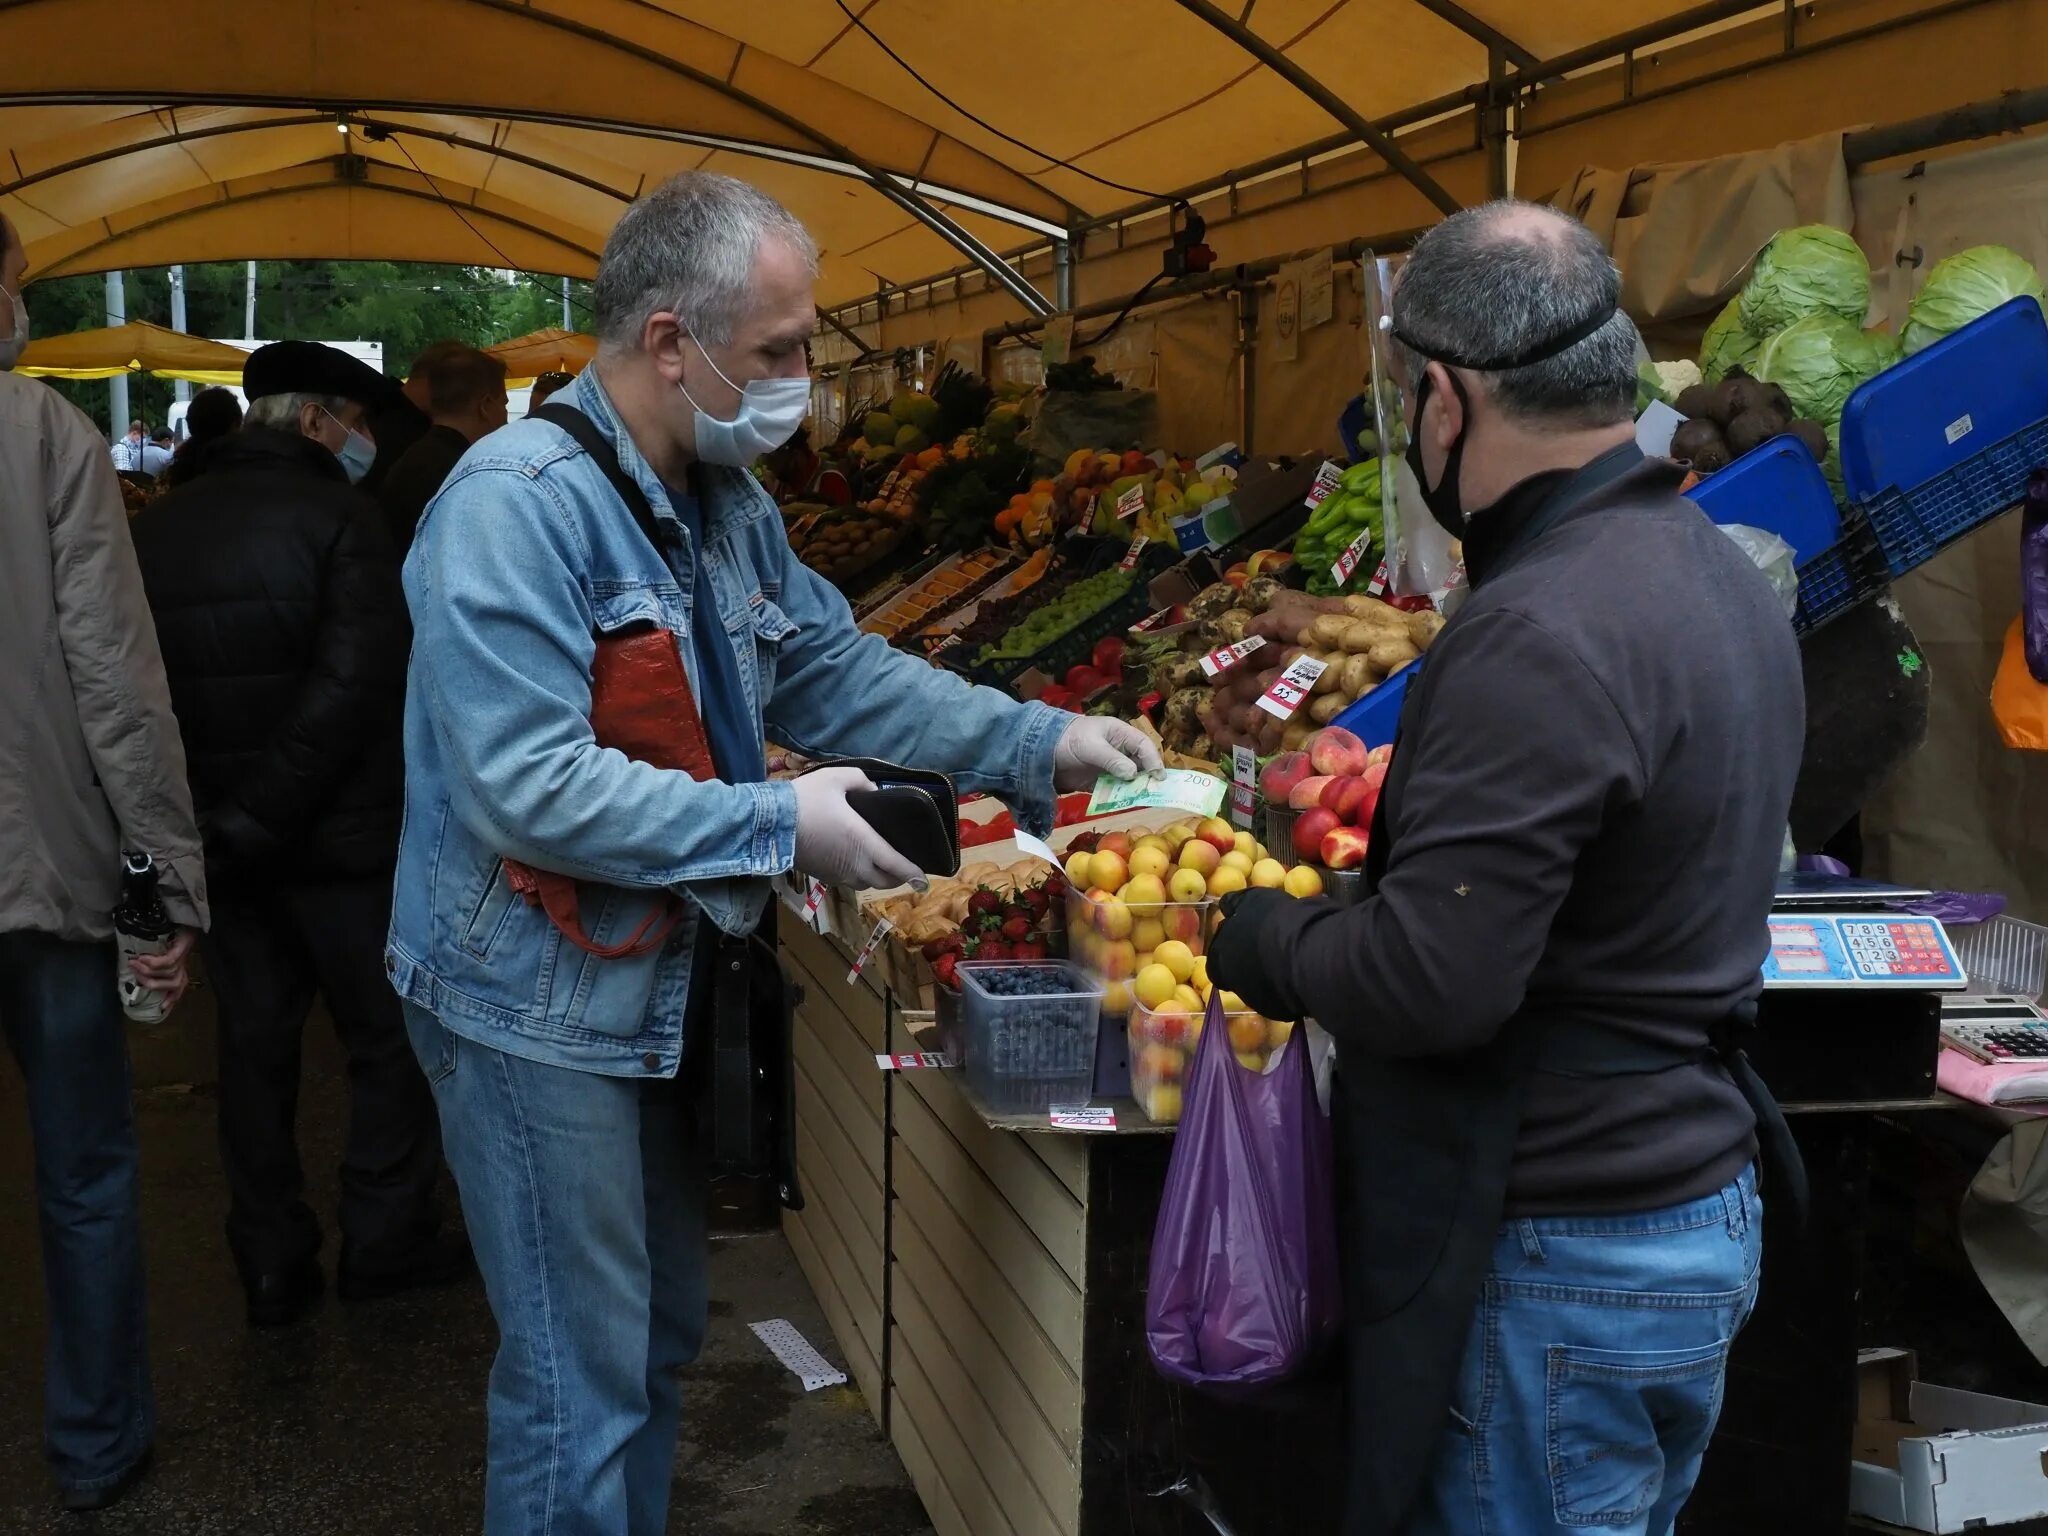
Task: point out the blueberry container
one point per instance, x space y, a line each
1029 1031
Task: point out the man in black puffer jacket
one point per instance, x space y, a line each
277 602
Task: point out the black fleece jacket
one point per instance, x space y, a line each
1585 816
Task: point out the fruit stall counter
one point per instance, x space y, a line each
986 1286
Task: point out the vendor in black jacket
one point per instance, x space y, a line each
275 591
1548 1184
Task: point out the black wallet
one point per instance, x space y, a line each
916 811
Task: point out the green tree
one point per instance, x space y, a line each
405 305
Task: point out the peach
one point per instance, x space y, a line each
1375 773
1278 778
1246 844
1184 923
1175 836
1152 859
1108 870
1241 862
1143 890
1247 1032
1147 934
1185 999
1352 798
1120 961
1160 1064
1167 1025
1344 847
1153 986
1118 843
1162 1105
1218 834
1278 1032
1200 856
1252 1061
1186 885
1379 757
1310 828
1335 750
1113 919
1152 840
1225 881
1302 882
1308 793
1268 874
1177 958
1078 872
1116 999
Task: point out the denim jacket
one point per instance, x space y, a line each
522 560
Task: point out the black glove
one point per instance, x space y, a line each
1237 952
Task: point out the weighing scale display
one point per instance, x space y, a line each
1859 950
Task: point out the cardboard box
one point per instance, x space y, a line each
1939 1459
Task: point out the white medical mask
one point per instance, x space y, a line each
10 349
357 453
770 412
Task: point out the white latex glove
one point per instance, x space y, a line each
1096 744
835 844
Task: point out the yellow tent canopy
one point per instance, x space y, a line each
912 136
549 350
137 347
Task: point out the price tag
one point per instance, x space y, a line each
1291 687
1151 621
1244 769
1131 503
1326 482
944 646
1221 661
1354 552
1137 548
867 951
1083 1117
1378 584
910 1061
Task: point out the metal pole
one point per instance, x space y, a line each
1247 365
1063 274
181 389
117 386
249 313
1325 98
1493 124
567 325
1977 120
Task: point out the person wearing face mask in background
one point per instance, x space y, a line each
275 589
1548 1151
568 1080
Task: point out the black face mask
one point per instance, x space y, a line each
1443 499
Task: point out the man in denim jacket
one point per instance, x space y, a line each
555 1070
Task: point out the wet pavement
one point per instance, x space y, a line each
370 1417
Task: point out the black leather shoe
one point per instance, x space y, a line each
442 1259
280 1297
83 1501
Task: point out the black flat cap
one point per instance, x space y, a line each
309 368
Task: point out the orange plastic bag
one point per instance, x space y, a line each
2018 703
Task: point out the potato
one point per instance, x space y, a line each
1269 734
1326 708
1231 624
1356 676
1423 627
1328 630
1391 655
1280 624
1244 718
1296 732
1360 606
1333 662
1306 637
1361 635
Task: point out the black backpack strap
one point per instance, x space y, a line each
584 430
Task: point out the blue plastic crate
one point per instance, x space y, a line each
1374 718
1943 442
1777 486
1846 573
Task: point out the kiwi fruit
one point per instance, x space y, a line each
1695 437
1751 429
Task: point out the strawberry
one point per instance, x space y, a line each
947 944
1016 928
1033 950
984 902
947 969
993 949
1036 900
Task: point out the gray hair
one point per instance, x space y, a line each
281 412
688 247
1494 280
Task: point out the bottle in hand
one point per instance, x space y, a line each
141 927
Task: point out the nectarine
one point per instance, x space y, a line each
1335 750
1344 847
1310 828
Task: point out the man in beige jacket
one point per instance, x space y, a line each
90 764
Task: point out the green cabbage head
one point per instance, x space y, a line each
1962 287
1726 344
1818 361
1814 269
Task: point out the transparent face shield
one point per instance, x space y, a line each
1421 556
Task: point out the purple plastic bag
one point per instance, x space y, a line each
1243 1290
2034 574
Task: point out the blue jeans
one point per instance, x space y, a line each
64 1025
1593 1376
585 1199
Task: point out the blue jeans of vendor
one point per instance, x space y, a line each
555 1070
